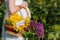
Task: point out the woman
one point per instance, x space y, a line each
14 6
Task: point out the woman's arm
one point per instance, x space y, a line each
12 6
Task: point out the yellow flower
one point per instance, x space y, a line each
27 20
16 30
15 18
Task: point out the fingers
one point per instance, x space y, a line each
25 3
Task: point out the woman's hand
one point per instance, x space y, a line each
25 4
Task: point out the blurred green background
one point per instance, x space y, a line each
46 12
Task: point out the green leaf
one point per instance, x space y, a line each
35 17
24 34
51 35
8 22
56 28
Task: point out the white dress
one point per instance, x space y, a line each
7 36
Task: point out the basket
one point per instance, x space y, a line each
9 29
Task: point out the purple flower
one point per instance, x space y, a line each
37 28
26 29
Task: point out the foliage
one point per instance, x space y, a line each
48 13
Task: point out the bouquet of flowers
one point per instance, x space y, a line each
15 23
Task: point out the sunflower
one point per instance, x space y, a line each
14 18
